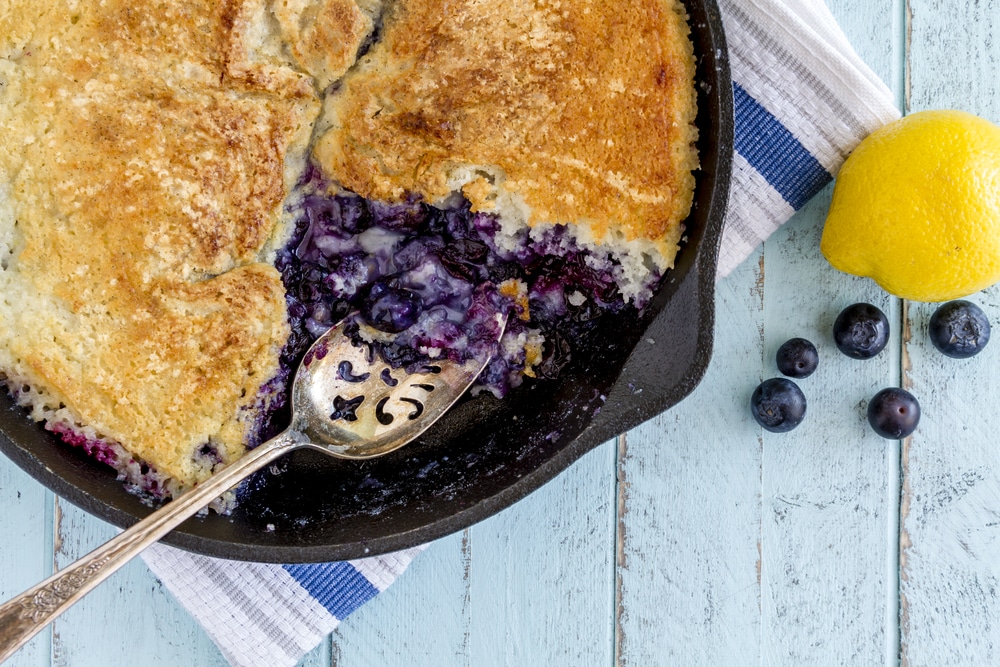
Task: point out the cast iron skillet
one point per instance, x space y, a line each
486 454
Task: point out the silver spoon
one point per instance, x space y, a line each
345 402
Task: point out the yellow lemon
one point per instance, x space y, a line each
916 207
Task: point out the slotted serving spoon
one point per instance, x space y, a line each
346 402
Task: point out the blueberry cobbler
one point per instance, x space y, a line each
192 191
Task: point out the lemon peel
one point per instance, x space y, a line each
916 207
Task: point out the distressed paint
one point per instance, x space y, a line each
826 484
822 498
425 614
542 573
689 590
25 548
109 624
830 488
131 611
950 575
532 585
703 540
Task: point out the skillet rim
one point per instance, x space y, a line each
691 293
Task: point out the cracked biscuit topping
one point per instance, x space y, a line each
151 155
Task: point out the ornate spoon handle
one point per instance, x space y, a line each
23 616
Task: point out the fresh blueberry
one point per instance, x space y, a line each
778 405
893 413
959 329
797 358
390 307
861 331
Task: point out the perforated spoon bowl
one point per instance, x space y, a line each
346 402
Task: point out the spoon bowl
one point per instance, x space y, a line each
356 406
346 402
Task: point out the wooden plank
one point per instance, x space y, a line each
819 503
423 618
950 575
25 549
542 573
829 487
688 568
951 527
953 58
830 491
532 585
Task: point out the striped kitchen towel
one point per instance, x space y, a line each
803 101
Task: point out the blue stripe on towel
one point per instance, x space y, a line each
339 587
775 153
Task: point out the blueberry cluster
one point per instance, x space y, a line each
958 329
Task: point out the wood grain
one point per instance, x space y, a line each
951 523
532 585
689 563
89 632
818 504
950 576
25 548
698 539
425 614
829 497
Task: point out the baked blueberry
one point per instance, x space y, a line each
893 413
959 329
861 331
797 358
778 405
390 307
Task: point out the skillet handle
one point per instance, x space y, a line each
22 617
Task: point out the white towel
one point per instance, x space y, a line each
803 101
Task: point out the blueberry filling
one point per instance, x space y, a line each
391 308
431 279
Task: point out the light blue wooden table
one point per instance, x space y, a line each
696 538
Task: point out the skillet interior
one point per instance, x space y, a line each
485 454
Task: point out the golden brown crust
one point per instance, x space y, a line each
147 148
175 369
323 35
583 109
